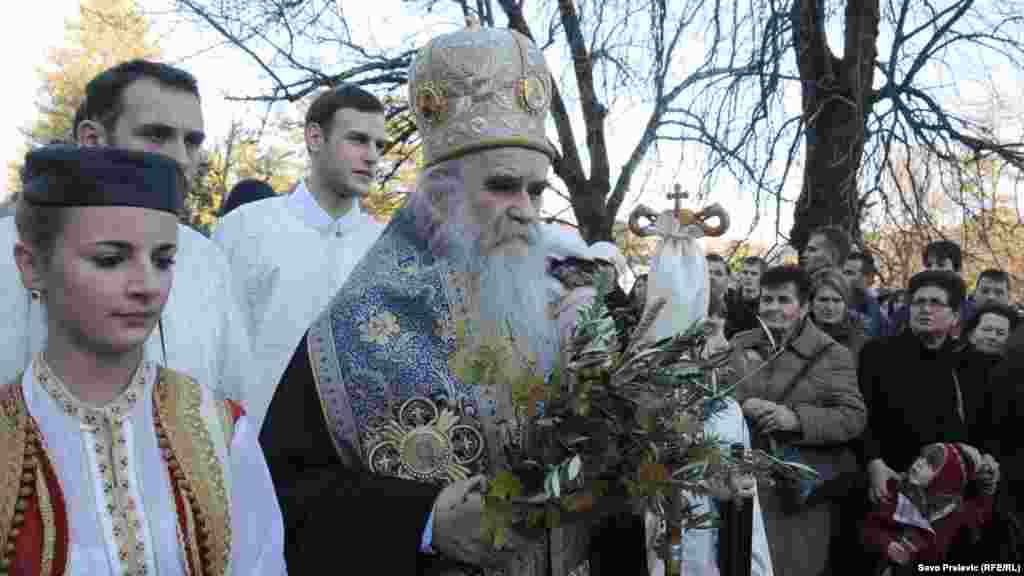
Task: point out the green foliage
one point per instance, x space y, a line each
628 425
504 486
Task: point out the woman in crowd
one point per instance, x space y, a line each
114 464
830 310
987 332
798 391
913 390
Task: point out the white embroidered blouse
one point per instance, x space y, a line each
121 510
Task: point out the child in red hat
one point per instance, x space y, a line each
929 507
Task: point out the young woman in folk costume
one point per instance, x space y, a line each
114 464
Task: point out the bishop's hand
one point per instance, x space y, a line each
458 517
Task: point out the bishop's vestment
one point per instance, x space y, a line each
376 359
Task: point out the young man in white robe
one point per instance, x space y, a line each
151 107
291 254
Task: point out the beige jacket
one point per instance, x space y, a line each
826 399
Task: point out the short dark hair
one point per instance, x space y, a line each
949 282
837 238
943 250
998 309
103 94
712 257
249 190
995 275
778 276
322 110
867 261
756 261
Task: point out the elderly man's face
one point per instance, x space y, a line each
503 188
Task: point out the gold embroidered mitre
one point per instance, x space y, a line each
479 88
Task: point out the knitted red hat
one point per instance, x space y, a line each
959 465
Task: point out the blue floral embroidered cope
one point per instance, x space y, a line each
387 337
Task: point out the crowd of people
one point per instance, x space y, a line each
282 397
870 395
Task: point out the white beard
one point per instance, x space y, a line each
513 293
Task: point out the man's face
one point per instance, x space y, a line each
780 307
503 190
160 119
347 161
854 272
930 312
991 291
817 254
935 263
991 333
750 281
718 277
828 306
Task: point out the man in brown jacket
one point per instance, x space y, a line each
798 389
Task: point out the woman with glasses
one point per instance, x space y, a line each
911 386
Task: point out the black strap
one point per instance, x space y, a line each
811 362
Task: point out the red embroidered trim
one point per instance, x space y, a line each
26 542
60 518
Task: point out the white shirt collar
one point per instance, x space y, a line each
301 200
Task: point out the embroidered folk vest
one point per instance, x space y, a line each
34 535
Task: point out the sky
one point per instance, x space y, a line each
225 70
24 48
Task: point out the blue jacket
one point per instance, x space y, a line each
870 312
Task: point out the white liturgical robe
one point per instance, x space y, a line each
120 505
201 332
288 258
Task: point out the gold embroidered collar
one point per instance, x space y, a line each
85 413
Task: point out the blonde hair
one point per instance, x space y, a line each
830 278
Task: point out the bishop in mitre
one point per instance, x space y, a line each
377 449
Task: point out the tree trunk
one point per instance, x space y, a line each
836 100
